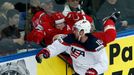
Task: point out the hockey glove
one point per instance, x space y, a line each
114 16
44 53
91 71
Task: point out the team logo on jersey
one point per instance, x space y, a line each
75 52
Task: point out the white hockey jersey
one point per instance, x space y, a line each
91 54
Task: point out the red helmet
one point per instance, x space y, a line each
58 17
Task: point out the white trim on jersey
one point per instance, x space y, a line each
109 27
59 21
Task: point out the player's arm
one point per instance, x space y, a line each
36 35
109 33
51 50
35 18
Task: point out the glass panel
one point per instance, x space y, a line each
126 9
13 19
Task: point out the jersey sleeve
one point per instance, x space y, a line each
35 18
109 33
57 47
35 36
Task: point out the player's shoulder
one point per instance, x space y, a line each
70 38
93 42
92 38
38 13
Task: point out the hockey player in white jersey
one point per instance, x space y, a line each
86 49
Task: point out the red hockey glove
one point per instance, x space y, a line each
44 53
91 71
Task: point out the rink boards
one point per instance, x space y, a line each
120 54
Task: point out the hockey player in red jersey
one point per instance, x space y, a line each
47 30
43 15
73 17
61 25
86 49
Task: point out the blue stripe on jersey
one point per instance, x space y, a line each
91 44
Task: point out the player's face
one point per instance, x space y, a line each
60 26
74 3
